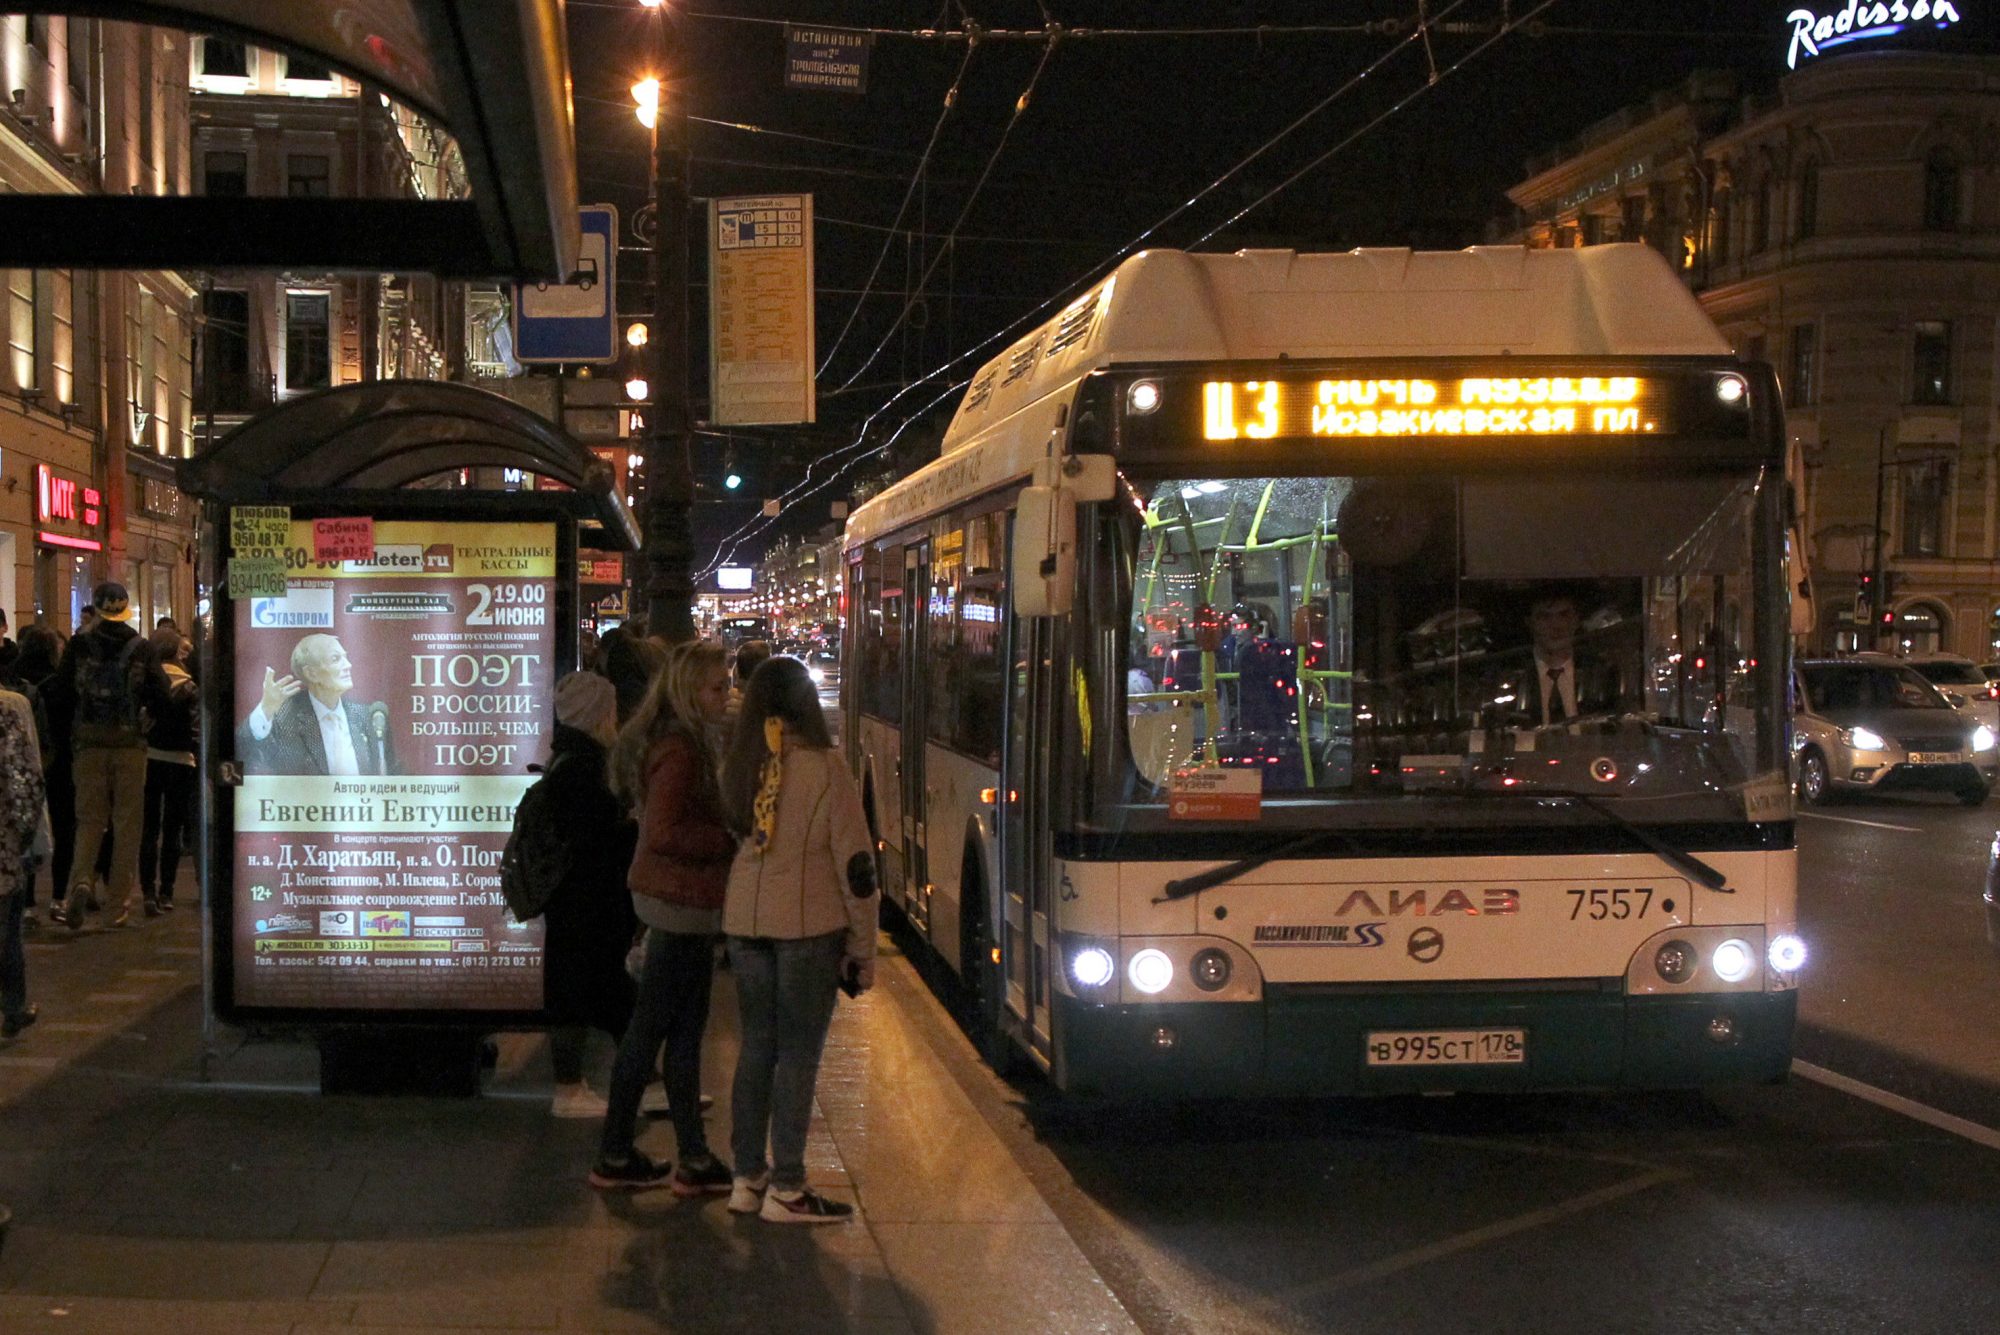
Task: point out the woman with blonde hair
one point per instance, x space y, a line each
664 765
801 918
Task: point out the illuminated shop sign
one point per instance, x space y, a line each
70 510
1473 406
1814 33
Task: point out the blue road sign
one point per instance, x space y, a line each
578 321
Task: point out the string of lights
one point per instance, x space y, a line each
806 488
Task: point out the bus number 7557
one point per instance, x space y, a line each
1605 903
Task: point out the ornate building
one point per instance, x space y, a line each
1843 227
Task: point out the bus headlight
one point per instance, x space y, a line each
1731 389
1143 397
1787 953
1733 961
1210 969
1675 961
1092 966
1150 971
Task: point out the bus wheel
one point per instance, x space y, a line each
1815 788
985 986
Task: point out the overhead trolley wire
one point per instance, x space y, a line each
923 280
806 487
909 193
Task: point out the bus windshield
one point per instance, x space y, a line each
1381 645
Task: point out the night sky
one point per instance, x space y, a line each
1119 133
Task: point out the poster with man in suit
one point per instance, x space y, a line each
305 723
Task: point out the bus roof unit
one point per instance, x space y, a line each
1164 306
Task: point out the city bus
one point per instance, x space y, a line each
1320 674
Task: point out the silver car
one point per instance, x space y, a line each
1872 724
1963 684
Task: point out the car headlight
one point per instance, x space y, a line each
816 675
1732 961
1864 739
1982 738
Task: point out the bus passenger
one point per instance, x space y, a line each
749 656
800 914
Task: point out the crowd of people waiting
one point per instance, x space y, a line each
97 776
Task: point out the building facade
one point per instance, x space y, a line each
1843 227
266 123
95 373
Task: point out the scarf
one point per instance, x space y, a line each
764 811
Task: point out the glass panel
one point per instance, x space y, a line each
1357 638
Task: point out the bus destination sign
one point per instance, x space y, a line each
1468 406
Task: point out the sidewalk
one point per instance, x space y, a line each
147 1200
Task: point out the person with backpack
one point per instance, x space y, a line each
24 841
170 775
664 764
108 684
800 914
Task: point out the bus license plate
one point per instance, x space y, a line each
1934 757
1448 1047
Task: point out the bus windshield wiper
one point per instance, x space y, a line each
1679 857
1229 871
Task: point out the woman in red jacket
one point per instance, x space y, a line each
665 764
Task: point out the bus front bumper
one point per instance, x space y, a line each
1308 1041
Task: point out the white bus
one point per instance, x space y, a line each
1201 690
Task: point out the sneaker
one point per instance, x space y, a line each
152 908
71 916
636 1173
708 1177
166 906
654 1100
805 1206
577 1101
746 1194
14 1024
30 921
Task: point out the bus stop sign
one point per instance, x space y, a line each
575 321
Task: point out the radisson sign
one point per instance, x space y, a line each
1813 33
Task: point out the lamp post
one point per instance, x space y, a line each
667 547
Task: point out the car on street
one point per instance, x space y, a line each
1962 679
824 667
1873 724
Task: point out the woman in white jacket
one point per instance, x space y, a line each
800 914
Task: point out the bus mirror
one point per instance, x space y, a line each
1090 477
1043 569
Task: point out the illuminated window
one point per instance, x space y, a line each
308 175
1941 190
1919 629
225 175
1800 389
23 342
308 354
1808 201
1926 492
1931 362
228 60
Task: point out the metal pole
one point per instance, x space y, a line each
669 535
1878 602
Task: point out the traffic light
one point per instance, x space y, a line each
732 477
1864 597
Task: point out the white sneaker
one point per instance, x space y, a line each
654 1100
746 1194
577 1101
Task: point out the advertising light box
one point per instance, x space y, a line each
386 711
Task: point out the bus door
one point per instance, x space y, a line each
1026 854
915 727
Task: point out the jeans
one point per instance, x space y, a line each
110 802
169 795
785 991
13 963
672 1009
